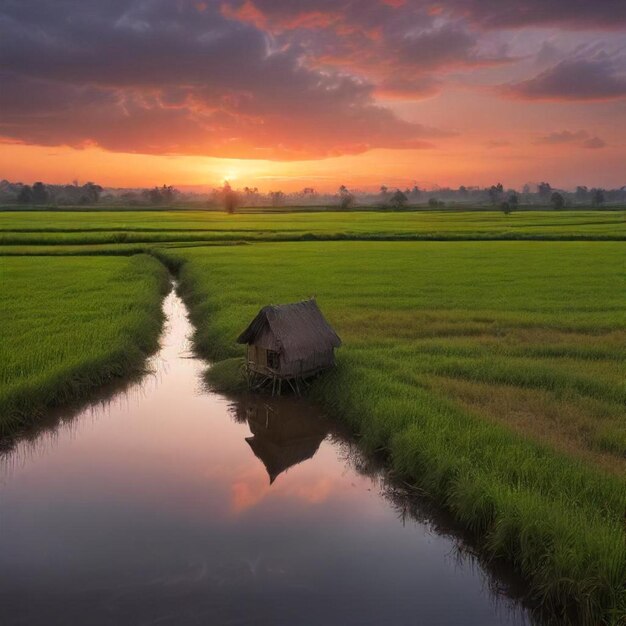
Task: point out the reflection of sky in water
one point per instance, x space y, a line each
154 509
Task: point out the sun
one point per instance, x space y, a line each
230 176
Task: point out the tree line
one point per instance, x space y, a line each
227 198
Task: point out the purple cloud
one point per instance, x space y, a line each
576 14
164 77
580 137
594 143
600 76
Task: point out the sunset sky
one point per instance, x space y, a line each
293 93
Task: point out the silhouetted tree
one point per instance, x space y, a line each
495 193
582 193
160 195
415 194
398 199
513 201
277 198
25 196
90 193
168 193
40 193
597 197
346 199
154 195
544 190
230 198
557 200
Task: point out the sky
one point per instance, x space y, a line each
286 94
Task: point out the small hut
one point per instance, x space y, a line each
289 342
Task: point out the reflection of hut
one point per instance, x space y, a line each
288 342
282 440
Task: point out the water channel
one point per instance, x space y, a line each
169 504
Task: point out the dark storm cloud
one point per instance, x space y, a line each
577 14
404 48
588 75
161 76
281 79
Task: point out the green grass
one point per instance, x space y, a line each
491 371
492 374
133 227
71 324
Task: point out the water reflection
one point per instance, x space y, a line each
167 504
283 435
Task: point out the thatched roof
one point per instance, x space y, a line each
297 330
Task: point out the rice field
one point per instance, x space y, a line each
492 374
484 354
71 324
133 227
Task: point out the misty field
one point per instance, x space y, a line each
490 371
70 325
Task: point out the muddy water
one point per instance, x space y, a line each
172 505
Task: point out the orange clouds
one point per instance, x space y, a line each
285 81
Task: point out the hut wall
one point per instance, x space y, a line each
308 365
257 357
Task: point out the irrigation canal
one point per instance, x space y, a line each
168 504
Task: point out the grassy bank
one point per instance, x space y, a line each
71 324
491 373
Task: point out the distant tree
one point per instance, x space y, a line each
130 197
384 195
154 195
25 195
513 201
415 194
160 195
557 200
91 193
346 199
505 207
597 197
251 196
495 193
433 203
230 198
463 191
398 200
168 193
40 193
277 198
582 194
544 190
